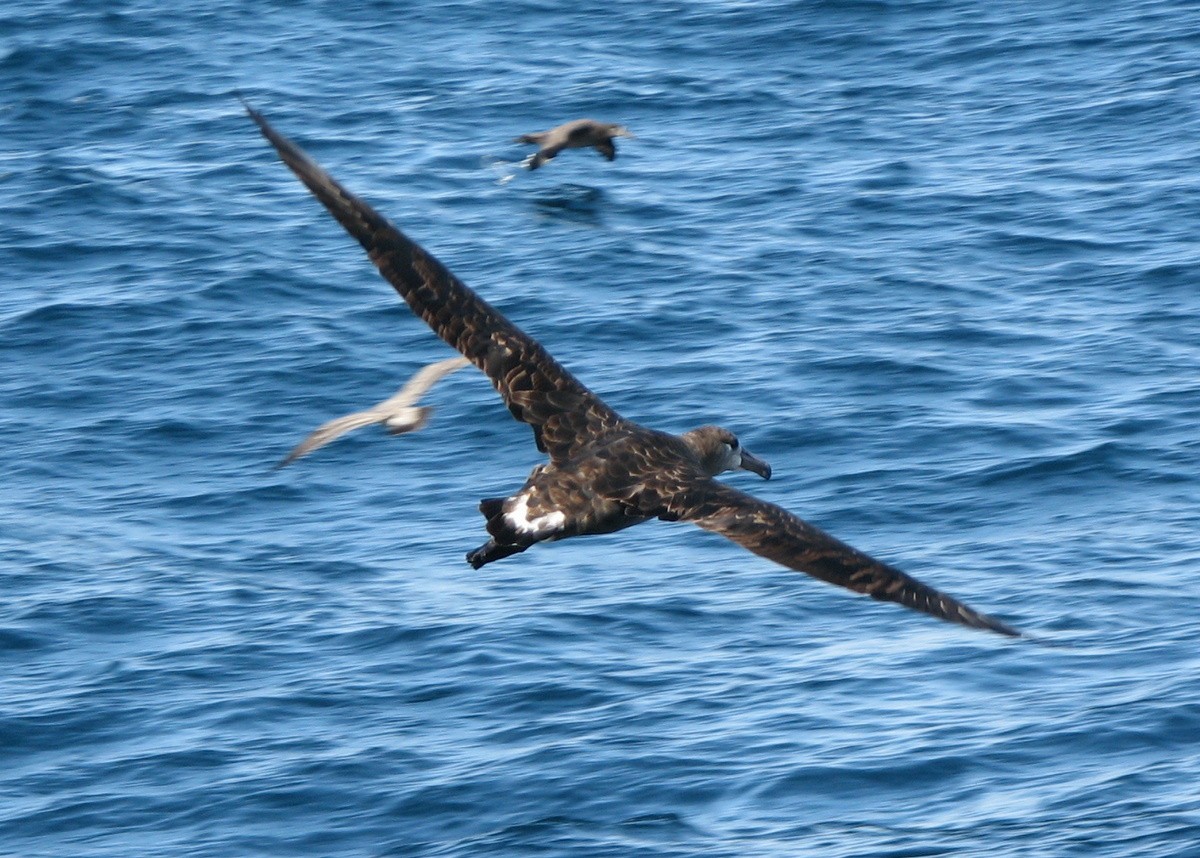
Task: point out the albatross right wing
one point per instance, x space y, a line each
564 414
776 534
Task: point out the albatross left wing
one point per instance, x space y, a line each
772 532
566 417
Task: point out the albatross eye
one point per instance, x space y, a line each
733 443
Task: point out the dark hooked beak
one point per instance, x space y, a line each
750 462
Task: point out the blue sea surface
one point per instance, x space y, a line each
937 262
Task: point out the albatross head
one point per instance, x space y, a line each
719 451
615 130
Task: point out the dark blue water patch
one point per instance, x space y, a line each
14 640
1171 275
1101 464
34 730
390 637
572 202
1049 247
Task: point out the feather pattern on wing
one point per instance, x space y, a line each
564 414
776 534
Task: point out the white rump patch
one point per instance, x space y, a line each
518 519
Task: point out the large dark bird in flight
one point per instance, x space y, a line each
605 472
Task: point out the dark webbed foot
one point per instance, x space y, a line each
492 550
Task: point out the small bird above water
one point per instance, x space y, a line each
577 134
398 413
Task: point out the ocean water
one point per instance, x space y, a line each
937 262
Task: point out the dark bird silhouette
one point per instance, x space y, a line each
399 413
576 134
605 472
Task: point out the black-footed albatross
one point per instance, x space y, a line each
399 413
576 134
605 472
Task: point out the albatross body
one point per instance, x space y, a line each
604 472
577 134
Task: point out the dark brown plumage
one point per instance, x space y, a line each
576 134
604 473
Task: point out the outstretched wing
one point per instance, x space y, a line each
425 378
331 431
772 532
413 389
564 414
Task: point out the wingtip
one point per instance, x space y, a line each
259 119
991 624
285 461
1006 630
968 616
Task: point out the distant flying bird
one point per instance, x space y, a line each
577 134
398 413
604 472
